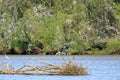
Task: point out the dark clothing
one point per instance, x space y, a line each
64 50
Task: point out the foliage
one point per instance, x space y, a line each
113 44
58 22
19 44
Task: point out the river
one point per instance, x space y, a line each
99 67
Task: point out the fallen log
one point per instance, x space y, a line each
70 68
41 61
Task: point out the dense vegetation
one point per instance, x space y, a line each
80 24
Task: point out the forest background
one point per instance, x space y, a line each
80 24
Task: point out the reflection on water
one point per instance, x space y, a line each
99 67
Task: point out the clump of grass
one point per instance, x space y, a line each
72 68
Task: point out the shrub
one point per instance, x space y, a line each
19 44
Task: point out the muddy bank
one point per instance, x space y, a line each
114 52
38 51
13 51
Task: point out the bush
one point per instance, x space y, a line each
112 44
19 44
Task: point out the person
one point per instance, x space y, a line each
64 50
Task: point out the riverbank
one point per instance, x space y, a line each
80 24
56 52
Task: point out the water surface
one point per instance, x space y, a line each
99 67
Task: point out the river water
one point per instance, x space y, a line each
99 67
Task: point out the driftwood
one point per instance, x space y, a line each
41 61
69 68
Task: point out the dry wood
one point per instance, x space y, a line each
41 61
69 68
